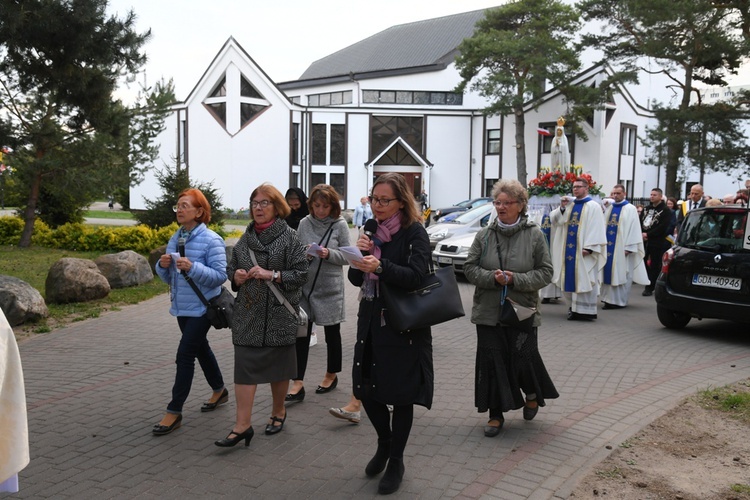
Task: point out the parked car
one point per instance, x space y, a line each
470 221
453 251
461 206
706 274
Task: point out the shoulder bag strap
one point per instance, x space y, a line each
328 232
195 288
504 292
275 290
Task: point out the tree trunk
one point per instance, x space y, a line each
520 144
676 140
29 214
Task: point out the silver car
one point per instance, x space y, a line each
453 251
468 222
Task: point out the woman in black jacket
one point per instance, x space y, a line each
390 367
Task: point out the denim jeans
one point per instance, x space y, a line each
193 344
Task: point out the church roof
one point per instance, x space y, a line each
428 44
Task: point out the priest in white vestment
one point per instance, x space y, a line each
582 252
552 234
14 431
625 251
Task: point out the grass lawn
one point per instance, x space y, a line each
32 264
108 214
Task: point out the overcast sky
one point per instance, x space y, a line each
284 36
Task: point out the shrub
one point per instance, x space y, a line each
81 237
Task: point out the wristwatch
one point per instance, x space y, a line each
379 269
275 275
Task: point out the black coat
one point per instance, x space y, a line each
394 368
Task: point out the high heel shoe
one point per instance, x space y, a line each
161 430
295 398
275 429
208 406
323 390
231 441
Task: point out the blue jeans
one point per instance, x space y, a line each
193 344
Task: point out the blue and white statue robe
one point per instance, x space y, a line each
625 254
578 274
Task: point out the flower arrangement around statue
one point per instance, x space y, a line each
556 182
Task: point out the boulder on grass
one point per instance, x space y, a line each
154 256
75 280
20 301
124 269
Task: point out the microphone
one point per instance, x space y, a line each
181 246
371 227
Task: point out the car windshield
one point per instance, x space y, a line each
719 230
472 215
464 203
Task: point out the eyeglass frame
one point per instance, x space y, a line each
264 204
505 203
182 206
383 202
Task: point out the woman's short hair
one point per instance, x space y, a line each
514 189
326 194
279 202
403 193
673 200
200 202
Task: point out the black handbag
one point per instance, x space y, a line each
436 301
219 309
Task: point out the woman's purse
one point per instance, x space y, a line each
219 309
301 315
436 301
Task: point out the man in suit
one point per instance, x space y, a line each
695 200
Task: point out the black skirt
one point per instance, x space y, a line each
507 363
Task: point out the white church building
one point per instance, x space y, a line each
386 104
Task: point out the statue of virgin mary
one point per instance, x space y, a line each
560 153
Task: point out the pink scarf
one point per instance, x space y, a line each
259 228
384 234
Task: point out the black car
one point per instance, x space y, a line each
706 274
461 206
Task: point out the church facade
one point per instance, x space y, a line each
384 104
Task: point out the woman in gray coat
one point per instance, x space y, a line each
323 294
510 256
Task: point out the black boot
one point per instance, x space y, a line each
379 461
391 480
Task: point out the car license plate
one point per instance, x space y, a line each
717 281
445 260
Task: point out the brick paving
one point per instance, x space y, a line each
95 388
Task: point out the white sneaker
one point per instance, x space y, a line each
313 339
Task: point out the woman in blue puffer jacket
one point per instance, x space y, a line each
205 262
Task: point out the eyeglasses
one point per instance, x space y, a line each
182 206
504 203
578 187
262 204
383 202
